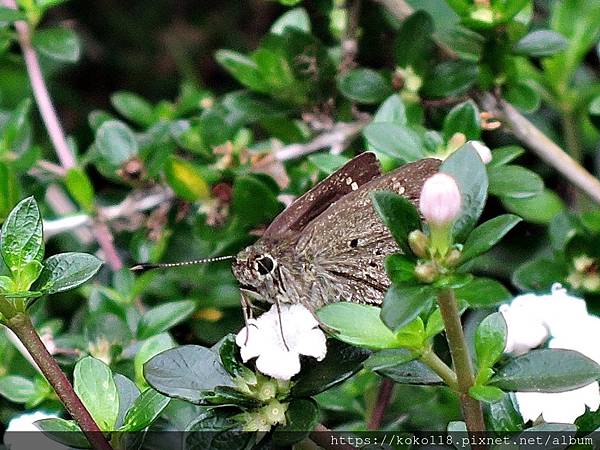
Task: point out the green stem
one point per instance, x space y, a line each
434 362
21 325
471 408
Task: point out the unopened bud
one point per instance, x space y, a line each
453 257
426 272
440 200
418 243
483 151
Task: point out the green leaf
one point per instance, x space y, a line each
539 209
395 140
504 155
294 18
541 43
466 167
483 293
539 274
411 372
17 389
66 432
128 393
153 346
80 187
95 386
301 416
162 317
463 118
340 363
243 69
253 201
402 305
389 358
186 179
564 227
327 162
514 182
184 371
414 40
391 110
488 234
358 324
450 78
398 214
115 142
9 15
547 370
66 271
146 408
58 43
488 394
503 414
133 107
490 340
523 96
364 86
21 239
400 269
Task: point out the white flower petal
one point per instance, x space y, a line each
530 320
278 345
313 343
279 364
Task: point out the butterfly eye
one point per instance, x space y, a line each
265 264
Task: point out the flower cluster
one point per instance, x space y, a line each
564 322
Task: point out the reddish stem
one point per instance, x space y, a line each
383 399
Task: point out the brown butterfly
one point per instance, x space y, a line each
330 244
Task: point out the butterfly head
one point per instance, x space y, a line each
256 269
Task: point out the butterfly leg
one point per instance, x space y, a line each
248 314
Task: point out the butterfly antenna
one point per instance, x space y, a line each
149 266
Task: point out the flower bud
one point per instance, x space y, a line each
483 150
426 272
418 242
274 412
267 390
440 200
453 257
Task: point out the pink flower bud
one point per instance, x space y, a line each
483 150
440 200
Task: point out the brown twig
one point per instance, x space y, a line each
21 325
349 40
383 399
337 139
541 145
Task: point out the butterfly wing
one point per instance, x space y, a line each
306 208
347 244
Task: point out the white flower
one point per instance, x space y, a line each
483 150
25 441
262 339
440 200
533 319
